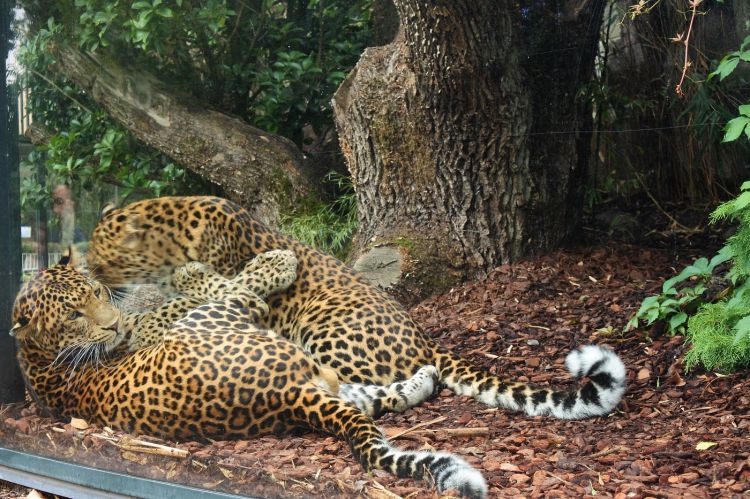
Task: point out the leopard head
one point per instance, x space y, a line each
128 248
61 311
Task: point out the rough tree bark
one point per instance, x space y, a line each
435 127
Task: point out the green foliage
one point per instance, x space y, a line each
677 296
327 226
719 336
729 62
736 126
273 63
86 146
719 332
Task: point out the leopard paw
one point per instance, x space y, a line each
270 272
190 279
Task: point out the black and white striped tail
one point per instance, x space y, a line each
597 397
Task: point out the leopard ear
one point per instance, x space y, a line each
133 232
107 208
71 257
22 328
65 257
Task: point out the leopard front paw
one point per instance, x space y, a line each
189 279
270 272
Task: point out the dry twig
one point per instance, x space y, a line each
378 491
686 62
413 428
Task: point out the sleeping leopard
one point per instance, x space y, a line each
334 314
212 373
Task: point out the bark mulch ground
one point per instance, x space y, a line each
518 322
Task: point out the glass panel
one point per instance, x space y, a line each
68 159
474 131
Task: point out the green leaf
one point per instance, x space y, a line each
745 185
669 302
687 298
701 264
734 128
632 324
741 329
677 320
725 254
649 302
741 201
687 272
745 109
165 12
727 66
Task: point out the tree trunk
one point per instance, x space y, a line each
435 128
264 172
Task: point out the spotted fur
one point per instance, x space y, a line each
266 274
210 375
344 322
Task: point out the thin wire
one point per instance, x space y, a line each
624 130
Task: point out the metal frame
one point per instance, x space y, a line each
74 480
11 383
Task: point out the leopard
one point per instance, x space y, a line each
211 374
264 275
330 311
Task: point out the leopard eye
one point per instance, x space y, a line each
75 314
98 292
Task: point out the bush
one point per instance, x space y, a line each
718 332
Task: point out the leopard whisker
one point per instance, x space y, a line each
66 352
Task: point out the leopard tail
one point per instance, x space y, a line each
371 448
598 396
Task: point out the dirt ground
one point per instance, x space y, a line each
519 322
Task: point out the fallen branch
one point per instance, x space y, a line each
136 445
401 433
479 431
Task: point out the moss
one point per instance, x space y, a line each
289 201
399 139
405 242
